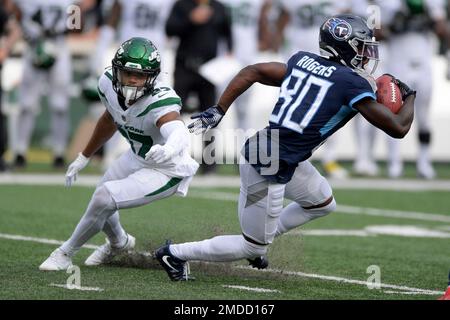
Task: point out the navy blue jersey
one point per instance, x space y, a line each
316 99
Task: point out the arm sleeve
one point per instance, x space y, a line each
176 135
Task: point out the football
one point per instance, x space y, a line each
388 93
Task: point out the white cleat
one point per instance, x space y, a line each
395 170
335 171
366 168
58 261
105 253
425 170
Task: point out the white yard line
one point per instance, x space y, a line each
340 279
276 271
251 289
233 181
65 286
40 240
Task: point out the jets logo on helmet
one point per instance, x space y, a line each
136 58
339 29
155 56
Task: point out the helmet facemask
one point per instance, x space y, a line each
367 57
133 83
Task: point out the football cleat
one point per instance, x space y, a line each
105 253
366 168
425 170
20 162
57 261
446 295
334 170
259 262
177 269
59 163
395 170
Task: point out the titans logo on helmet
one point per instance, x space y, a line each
339 29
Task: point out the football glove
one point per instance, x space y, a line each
405 90
206 120
159 153
76 166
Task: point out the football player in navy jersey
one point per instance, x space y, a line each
318 96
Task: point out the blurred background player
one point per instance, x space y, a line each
380 13
46 70
412 46
9 34
298 30
199 25
250 34
131 18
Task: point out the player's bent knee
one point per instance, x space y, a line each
103 198
322 209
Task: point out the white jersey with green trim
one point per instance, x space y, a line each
137 123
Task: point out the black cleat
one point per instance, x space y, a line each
259 262
20 162
177 269
59 163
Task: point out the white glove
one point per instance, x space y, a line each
75 167
159 153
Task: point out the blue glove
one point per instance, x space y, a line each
206 120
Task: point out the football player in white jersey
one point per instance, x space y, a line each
46 61
133 18
297 29
411 48
157 165
249 25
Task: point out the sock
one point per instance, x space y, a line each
220 248
60 131
99 209
114 231
294 216
25 126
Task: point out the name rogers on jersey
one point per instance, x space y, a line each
313 66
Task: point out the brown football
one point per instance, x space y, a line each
388 93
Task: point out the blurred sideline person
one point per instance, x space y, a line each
47 70
157 165
9 34
318 96
249 29
298 29
411 48
199 25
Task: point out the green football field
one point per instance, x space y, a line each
402 237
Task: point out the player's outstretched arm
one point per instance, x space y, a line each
395 125
270 73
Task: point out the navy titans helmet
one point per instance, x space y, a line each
348 39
